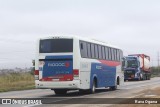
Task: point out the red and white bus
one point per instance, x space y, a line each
70 63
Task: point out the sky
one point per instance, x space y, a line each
132 25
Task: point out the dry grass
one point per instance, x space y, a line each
16 81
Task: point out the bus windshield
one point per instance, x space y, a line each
56 45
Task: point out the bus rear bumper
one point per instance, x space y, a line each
57 85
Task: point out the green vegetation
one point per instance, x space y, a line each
25 80
16 81
155 71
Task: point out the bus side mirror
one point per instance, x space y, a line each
123 64
33 62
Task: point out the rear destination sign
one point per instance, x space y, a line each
58 64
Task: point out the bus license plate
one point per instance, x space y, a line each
55 79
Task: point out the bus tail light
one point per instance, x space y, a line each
36 74
75 73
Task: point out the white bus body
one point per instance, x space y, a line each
71 63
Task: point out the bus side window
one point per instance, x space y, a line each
112 51
106 53
81 46
115 54
89 50
103 53
121 54
109 54
92 51
100 51
83 49
96 51
118 55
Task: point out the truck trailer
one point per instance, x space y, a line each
136 67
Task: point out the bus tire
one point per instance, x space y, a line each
93 88
113 87
117 83
60 91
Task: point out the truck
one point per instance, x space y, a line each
136 67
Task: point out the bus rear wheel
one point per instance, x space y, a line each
117 83
113 87
60 91
93 88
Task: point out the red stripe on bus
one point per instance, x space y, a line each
65 77
110 63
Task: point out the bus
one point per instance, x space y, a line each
66 63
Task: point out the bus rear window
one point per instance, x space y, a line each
56 45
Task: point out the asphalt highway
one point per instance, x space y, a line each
129 89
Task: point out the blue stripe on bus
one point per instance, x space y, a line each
49 71
106 75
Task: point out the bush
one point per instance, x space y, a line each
16 81
155 71
32 71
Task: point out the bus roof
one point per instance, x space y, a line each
83 39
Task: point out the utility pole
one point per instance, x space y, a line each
158 59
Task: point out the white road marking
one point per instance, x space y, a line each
150 95
32 105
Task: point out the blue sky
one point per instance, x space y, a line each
133 25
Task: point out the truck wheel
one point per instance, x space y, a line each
144 77
141 76
149 77
60 91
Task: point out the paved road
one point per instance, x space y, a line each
128 90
